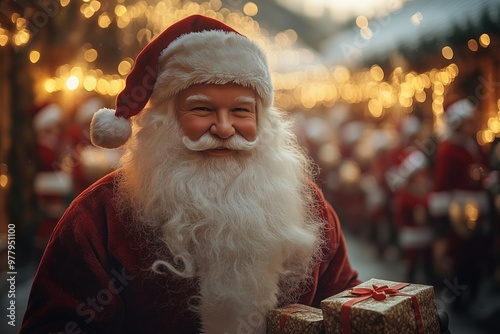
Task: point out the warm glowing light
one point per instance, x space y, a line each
471 211
438 88
362 22
487 136
416 18
341 74
250 9
14 17
329 154
76 71
120 10
124 67
20 22
375 108
104 20
50 85
494 124
437 108
484 40
3 40
381 92
95 5
452 69
72 82
420 96
472 44
87 10
34 56
22 37
447 52
90 55
377 73
102 86
89 83
4 180
349 172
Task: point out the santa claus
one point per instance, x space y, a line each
213 219
459 200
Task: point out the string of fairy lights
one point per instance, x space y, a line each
293 65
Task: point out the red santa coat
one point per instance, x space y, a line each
454 161
95 275
458 178
410 218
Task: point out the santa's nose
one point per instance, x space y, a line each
222 126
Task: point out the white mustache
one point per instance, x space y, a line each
209 142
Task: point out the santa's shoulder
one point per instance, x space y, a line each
90 211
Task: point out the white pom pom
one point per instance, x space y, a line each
109 131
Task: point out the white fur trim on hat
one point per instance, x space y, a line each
439 203
53 183
458 111
216 57
109 131
47 116
415 237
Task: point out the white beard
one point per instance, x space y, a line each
243 225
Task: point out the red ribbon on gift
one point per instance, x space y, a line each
294 308
378 293
285 315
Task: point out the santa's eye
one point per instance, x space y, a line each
200 108
241 109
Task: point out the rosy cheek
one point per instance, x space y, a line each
194 127
249 131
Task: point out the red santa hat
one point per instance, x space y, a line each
192 51
407 163
456 110
411 160
46 115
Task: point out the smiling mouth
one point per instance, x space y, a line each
223 151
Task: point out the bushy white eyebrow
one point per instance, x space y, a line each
198 98
203 98
245 99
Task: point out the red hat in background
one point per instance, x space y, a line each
46 115
192 51
411 160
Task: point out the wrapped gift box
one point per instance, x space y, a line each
295 319
378 306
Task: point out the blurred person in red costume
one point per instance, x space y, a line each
48 124
88 162
213 219
52 184
411 213
459 201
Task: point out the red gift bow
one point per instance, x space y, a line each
378 293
